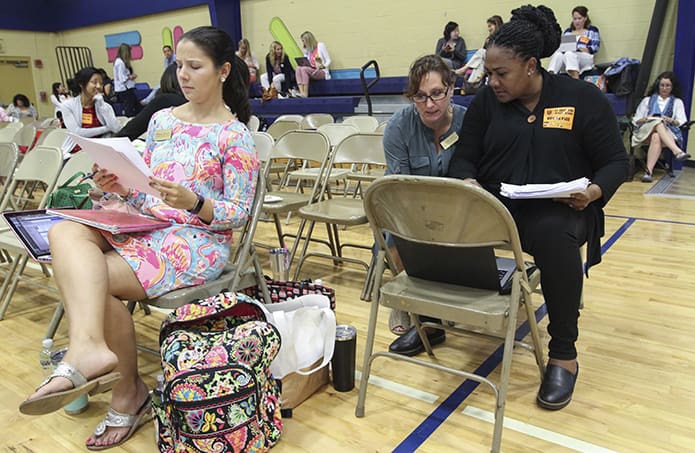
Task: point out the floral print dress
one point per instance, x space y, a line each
217 161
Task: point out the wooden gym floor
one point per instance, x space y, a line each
636 350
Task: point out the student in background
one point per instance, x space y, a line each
249 58
658 119
474 70
451 47
279 70
168 95
529 127
205 169
21 108
87 114
124 81
169 56
59 94
319 62
588 43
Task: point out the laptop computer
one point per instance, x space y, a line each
475 267
302 61
31 228
568 43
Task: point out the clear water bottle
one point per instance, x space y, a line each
45 356
158 391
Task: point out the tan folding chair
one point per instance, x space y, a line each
382 127
254 123
9 156
41 165
280 127
449 213
356 149
363 122
310 146
242 271
25 137
290 117
315 120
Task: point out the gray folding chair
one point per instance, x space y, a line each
356 149
9 156
311 146
242 270
314 120
449 213
363 122
280 127
41 165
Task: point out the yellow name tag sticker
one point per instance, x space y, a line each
558 118
450 140
87 119
162 134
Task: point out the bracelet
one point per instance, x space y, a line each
198 206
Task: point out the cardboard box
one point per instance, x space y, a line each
296 388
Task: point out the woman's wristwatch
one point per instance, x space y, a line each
198 206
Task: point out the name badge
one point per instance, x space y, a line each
558 118
450 140
162 134
87 119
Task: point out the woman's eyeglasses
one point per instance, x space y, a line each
436 95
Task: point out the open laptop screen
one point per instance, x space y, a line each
31 228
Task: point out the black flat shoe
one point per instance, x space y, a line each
683 156
557 388
409 343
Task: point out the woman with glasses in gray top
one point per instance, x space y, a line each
420 140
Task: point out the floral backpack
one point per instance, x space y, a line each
219 395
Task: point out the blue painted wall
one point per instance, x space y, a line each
54 16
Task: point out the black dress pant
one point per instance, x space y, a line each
553 233
129 102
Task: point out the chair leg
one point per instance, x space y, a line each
55 322
369 342
302 254
278 228
8 278
21 264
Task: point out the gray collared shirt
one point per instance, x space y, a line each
409 144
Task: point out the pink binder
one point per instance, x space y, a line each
110 220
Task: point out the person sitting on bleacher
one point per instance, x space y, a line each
279 70
588 43
451 47
319 61
657 121
474 69
205 169
87 114
420 140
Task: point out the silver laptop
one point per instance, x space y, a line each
31 228
568 43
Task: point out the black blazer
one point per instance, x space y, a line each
286 69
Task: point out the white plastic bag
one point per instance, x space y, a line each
307 329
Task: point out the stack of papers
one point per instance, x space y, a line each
559 190
120 157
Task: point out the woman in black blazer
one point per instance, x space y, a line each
279 70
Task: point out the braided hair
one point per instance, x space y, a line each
531 32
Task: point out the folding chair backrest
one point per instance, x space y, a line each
9 156
11 126
78 162
382 127
254 123
25 136
311 146
364 123
424 210
264 145
279 127
7 133
57 138
43 163
290 117
336 132
361 148
315 120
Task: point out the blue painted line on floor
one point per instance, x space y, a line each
645 219
448 406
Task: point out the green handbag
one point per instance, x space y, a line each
71 196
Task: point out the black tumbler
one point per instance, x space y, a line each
343 362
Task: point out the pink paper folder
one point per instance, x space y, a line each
110 220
